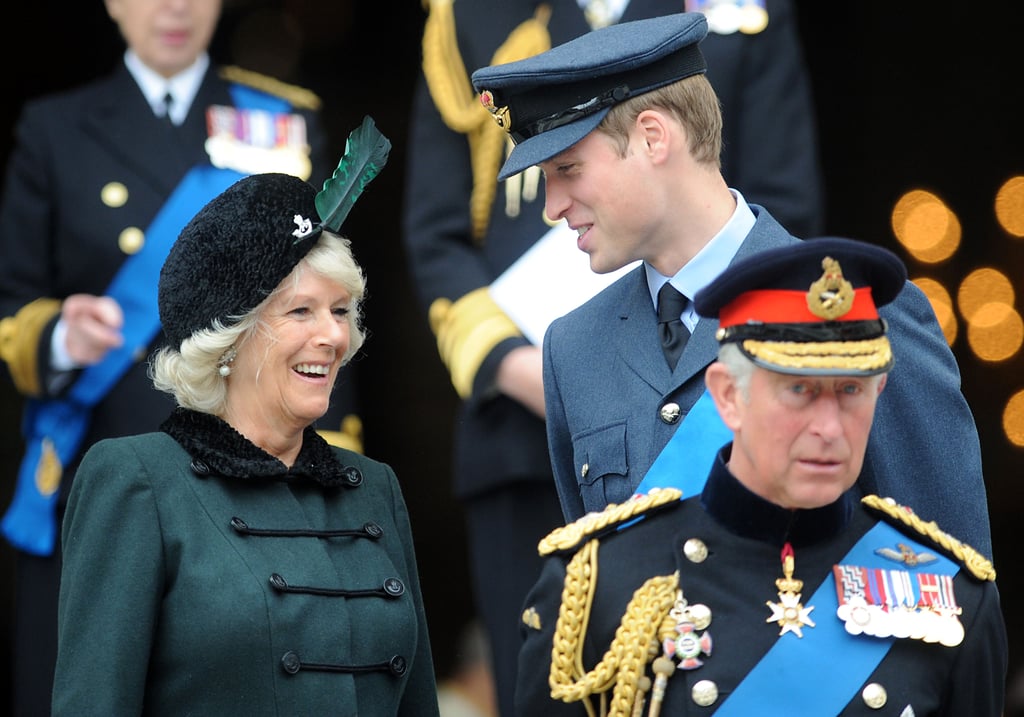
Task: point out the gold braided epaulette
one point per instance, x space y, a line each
299 97
570 536
977 564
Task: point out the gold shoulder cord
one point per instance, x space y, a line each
452 91
978 565
635 644
637 639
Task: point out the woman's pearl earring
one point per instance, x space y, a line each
224 364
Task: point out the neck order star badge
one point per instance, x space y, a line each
789 612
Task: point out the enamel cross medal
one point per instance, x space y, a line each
789 612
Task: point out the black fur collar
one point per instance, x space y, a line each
228 453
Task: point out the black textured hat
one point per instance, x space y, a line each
246 240
810 308
552 100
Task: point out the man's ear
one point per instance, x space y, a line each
725 393
652 126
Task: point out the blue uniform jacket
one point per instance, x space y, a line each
605 381
775 163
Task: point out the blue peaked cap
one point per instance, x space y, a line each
549 102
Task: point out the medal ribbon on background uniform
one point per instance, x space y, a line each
54 428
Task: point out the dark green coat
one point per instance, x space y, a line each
174 603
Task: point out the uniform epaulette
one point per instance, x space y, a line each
977 564
570 536
457 102
299 97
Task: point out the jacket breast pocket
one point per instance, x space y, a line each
602 468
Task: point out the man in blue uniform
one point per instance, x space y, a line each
768 586
99 182
463 230
625 127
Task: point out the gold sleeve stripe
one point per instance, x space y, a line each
452 92
19 343
466 332
350 436
300 97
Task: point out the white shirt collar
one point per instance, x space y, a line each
183 86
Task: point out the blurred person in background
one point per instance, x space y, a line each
99 182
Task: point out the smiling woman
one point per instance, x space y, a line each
239 530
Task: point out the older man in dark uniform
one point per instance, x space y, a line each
100 180
772 588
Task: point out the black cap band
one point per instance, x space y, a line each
804 332
544 107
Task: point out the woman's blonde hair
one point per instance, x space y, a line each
191 374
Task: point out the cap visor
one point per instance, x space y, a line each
546 145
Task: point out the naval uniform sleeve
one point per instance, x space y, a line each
27 312
112 582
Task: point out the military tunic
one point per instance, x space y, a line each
203 577
726 546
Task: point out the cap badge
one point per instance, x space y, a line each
500 114
831 296
305 227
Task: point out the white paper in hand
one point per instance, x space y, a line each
551 279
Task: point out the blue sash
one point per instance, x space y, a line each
823 686
54 428
823 669
686 459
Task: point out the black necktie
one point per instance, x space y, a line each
168 102
672 330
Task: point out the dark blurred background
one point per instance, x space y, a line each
910 95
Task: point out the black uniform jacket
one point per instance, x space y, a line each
726 545
770 154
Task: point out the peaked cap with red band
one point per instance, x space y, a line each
810 308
